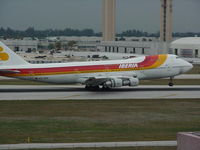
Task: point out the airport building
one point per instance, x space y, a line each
82 43
109 21
186 47
22 45
130 47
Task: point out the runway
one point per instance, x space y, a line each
62 92
88 145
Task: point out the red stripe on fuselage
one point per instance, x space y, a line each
149 60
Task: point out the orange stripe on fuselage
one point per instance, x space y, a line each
150 62
160 59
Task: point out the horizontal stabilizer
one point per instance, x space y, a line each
6 71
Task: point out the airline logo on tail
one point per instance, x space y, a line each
3 56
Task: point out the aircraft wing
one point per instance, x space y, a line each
96 81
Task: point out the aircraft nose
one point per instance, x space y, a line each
188 66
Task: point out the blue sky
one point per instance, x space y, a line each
80 14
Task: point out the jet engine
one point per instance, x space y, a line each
114 82
131 82
118 82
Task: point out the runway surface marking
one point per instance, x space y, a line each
89 145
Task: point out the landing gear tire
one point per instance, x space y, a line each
92 88
105 88
171 82
95 88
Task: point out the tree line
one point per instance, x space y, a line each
32 32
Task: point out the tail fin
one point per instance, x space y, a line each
8 57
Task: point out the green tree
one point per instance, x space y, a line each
30 32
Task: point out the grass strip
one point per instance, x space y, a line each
96 121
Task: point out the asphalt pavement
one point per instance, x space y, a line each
62 92
88 145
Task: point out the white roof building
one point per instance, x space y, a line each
186 47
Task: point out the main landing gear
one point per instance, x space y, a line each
171 82
97 88
92 88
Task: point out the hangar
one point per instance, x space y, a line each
186 47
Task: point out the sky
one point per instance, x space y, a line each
80 14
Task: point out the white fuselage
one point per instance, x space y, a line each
171 67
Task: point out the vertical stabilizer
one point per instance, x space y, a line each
8 57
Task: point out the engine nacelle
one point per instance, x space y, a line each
131 82
116 82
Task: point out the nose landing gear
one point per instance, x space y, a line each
171 82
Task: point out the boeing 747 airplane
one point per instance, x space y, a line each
94 74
